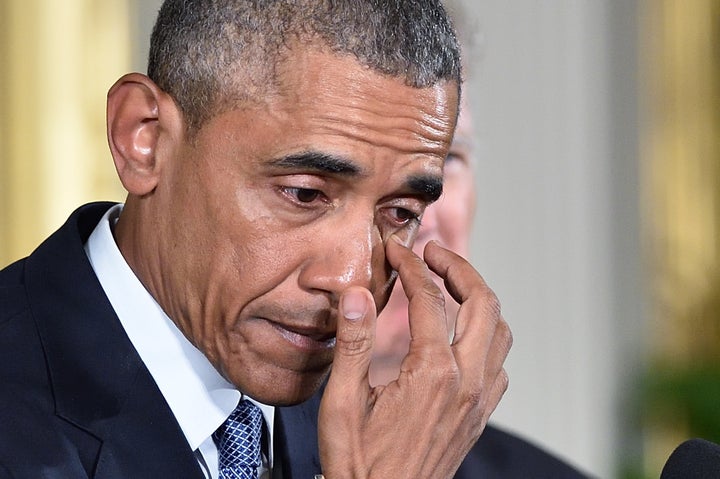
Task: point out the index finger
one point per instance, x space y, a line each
460 277
479 323
426 302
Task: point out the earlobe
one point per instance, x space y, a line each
136 116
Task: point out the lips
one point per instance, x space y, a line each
312 339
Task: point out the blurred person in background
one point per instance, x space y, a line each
497 454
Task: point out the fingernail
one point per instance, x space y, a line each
397 239
354 305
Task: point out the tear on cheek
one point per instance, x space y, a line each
383 295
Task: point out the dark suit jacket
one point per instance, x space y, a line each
501 455
76 400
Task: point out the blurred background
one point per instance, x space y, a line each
598 132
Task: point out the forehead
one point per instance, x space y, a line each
336 92
331 106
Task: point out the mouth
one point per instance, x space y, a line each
310 339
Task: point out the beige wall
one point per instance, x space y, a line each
58 61
556 231
598 218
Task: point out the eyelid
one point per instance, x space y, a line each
415 210
457 154
292 193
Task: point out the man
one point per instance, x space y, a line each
277 158
496 454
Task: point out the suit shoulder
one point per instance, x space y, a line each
13 298
500 454
23 372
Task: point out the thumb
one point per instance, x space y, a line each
355 337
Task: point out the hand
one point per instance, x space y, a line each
423 424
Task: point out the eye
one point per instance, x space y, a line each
404 216
457 163
452 156
456 155
303 195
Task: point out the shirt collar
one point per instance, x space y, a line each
199 397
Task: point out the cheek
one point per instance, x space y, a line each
238 261
453 228
454 220
264 259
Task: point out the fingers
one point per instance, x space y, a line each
426 301
461 279
482 338
481 333
354 342
496 354
500 385
346 399
452 388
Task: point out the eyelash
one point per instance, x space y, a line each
409 217
295 193
452 156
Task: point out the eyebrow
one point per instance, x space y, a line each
427 187
319 162
461 142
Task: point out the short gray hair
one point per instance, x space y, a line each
200 48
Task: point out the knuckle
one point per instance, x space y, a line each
475 398
482 393
355 345
504 334
483 400
492 303
435 299
450 376
444 375
432 297
432 292
503 381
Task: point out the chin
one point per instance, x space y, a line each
285 389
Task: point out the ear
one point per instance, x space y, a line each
139 116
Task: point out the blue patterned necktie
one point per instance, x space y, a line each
238 442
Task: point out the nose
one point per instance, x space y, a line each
349 251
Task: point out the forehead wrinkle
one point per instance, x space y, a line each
426 127
433 142
365 105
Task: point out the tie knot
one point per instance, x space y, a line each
238 442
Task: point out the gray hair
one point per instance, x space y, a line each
214 54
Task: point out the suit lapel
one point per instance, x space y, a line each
99 383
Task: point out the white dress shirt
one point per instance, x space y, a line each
199 397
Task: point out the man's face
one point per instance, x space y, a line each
273 210
447 221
